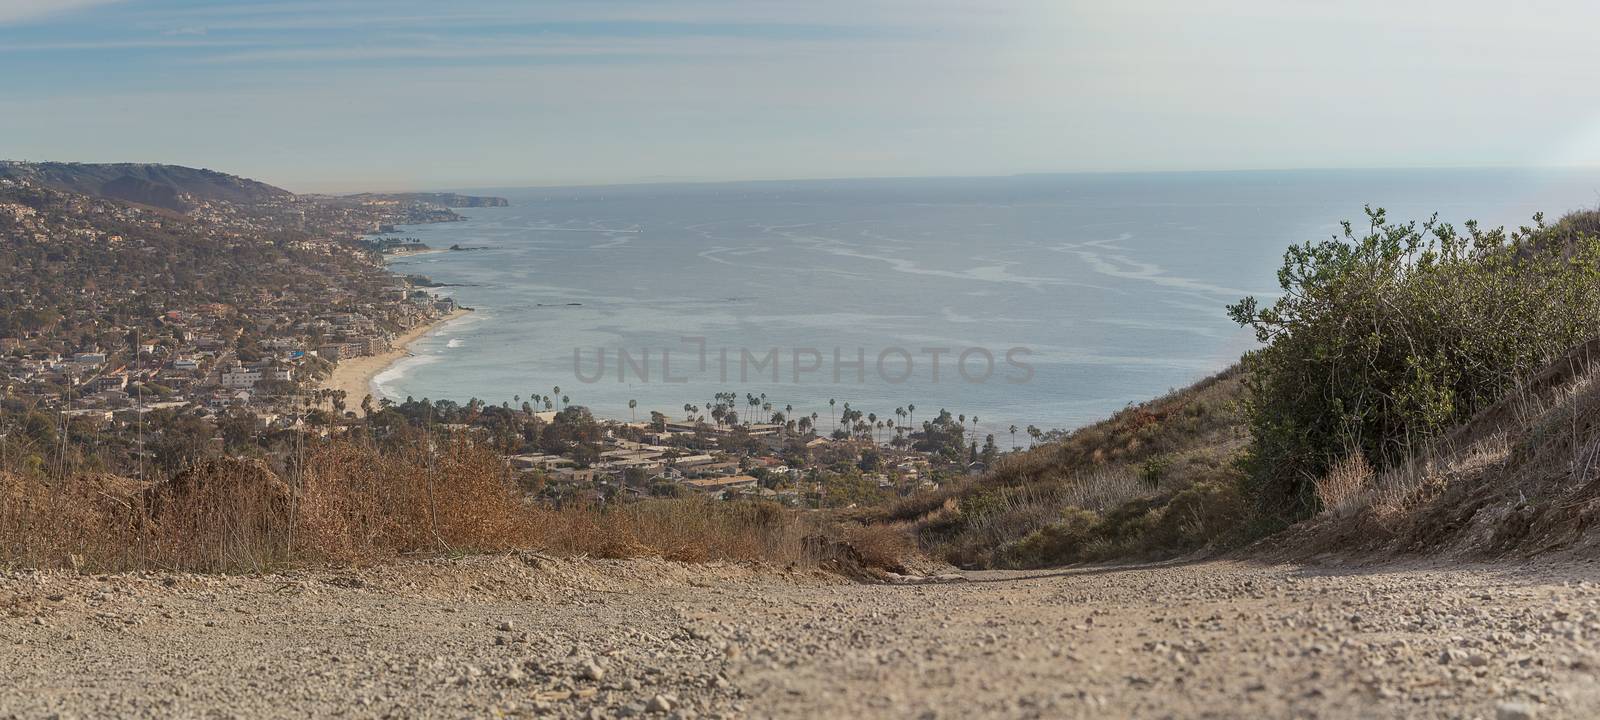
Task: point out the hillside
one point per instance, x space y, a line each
1521 478
173 187
1153 480
1483 441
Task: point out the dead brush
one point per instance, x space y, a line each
1101 488
229 515
357 503
84 521
350 503
885 547
690 529
1345 485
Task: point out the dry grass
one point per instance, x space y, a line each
692 529
351 504
1347 483
1178 450
880 546
88 519
1102 488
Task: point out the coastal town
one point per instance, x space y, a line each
136 338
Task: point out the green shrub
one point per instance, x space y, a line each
1383 339
1202 514
1154 470
1059 542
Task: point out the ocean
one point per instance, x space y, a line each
1049 300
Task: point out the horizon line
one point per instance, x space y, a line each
678 181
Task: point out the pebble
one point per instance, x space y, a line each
1514 711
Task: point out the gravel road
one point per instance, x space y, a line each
528 635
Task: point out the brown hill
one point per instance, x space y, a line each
173 187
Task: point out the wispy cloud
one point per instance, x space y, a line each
169 43
14 12
546 47
589 90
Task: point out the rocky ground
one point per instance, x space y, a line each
529 635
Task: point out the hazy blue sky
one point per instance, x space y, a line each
345 94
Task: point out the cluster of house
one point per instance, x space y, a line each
640 466
318 295
188 354
194 359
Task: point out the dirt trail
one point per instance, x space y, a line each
534 636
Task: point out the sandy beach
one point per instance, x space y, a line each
354 376
409 253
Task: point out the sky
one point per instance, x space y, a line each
333 95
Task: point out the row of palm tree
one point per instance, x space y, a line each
1034 435
548 401
721 410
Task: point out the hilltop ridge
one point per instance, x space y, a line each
180 188
173 187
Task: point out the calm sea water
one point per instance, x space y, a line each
1113 286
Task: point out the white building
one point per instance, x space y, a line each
241 378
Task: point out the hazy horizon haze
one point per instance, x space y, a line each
355 94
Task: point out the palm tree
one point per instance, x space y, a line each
632 404
911 411
831 401
1013 437
564 402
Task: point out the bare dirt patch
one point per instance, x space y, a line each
531 636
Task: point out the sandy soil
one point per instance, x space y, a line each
527 636
354 376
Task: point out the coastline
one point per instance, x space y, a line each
410 253
355 376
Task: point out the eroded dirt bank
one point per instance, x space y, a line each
534 636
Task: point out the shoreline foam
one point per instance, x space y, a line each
357 376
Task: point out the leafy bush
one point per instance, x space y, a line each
1154 469
1383 339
